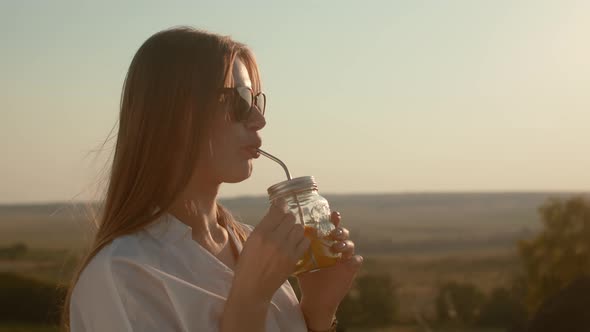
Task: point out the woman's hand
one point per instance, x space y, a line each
323 290
268 257
270 253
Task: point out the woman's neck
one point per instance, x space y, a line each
197 207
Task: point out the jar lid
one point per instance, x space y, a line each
293 185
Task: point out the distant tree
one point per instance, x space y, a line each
459 302
566 310
560 253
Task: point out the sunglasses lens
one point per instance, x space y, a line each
261 102
243 103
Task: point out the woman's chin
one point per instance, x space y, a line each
239 174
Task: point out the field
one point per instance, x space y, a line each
388 224
402 328
421 240
16 327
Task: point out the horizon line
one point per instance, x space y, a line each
384 193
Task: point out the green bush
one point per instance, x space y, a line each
28 300
560 253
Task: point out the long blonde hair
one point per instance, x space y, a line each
167 96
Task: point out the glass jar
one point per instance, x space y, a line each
313 211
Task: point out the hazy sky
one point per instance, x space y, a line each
368 96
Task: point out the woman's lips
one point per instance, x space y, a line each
252 152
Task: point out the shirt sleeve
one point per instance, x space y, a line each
119 294
96 304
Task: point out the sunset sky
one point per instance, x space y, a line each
368 96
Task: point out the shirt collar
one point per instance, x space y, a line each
169 229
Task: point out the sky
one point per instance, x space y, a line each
367 96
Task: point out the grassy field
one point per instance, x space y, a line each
400 328
407 328
45 230
417 277
17 327
421 241
407 222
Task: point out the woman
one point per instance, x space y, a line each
167 256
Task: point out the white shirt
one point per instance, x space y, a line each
160 279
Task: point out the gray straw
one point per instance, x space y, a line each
277 160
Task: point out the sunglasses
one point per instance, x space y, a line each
242 101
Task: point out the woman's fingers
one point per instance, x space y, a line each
335 218
354 263
344 247
340 234
302 247
295 235
276 212
285 226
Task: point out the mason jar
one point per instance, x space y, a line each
313 212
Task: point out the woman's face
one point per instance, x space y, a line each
227 155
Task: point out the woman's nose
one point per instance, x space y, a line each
256 121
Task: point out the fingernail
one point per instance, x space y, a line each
339 232
340 246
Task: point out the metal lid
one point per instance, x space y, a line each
294 185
